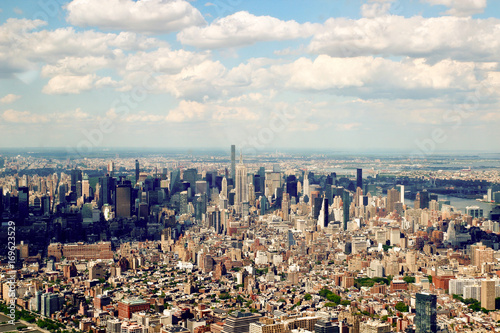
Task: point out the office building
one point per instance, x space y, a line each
233 162
488 294
123 206
359 178
425 317
241 185
128 306
239 322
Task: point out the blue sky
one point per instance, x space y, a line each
417 75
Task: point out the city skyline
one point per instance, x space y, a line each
389 75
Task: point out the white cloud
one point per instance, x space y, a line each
145 16
187 111
26 117
435 38
460 7
243 28
22 48
10 98
377 74
375 8
69 84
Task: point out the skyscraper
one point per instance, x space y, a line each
123 201
285 206
23 202
393 196
85 187
224 187
488 294
111 168
233 162
323 214
359 178
241 185
425 318
346 200
137 170
306 184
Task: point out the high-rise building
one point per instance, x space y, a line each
85 187
285 206
393 196
239 322
325 326
23 202
1 201
241 185
306 185
233 162
50 304
401 189
323 214
346 201
359 178
224 187
488 294
137 171
425 318
111 168
123 201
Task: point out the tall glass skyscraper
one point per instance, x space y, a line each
425 318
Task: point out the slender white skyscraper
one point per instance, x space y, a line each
224 187
306 185
241 185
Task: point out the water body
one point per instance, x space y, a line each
460 203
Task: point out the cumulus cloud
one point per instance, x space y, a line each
460 7
10 98
69 84
377 74
25 117
243 28
145 16
435 38
376 8
187 111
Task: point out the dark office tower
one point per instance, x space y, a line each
424 199
324 214
105 191
359 178
23 202
190 176
263 205
233 162
318 202
291 186
123 206
291 240
1 201
325 326
79 189
45 205
425 318
346 200
137 171
62 194
76 175
2 162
